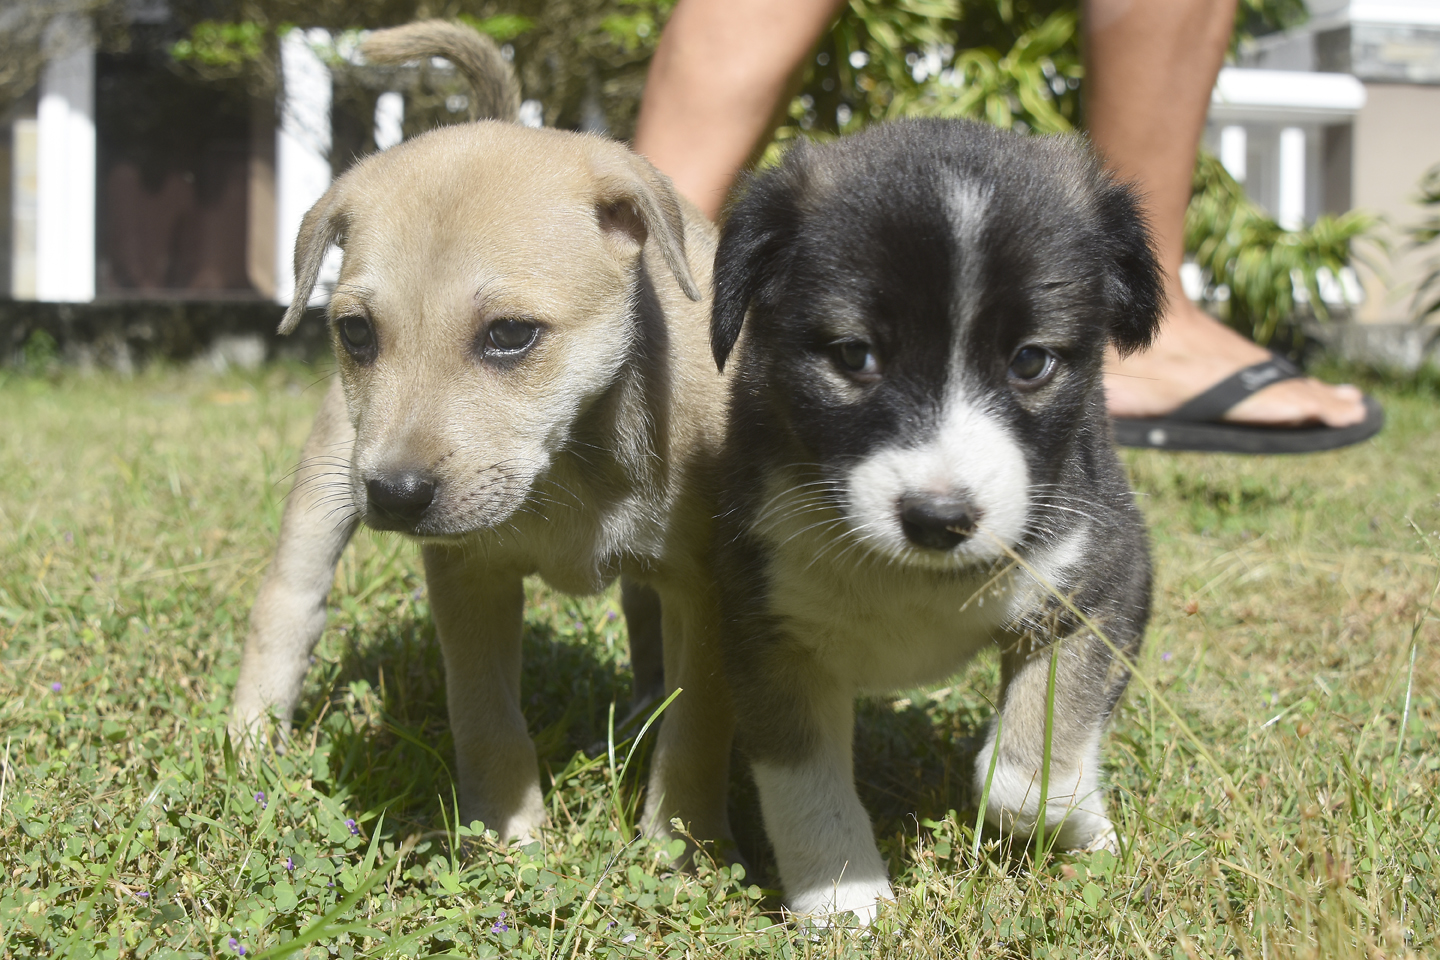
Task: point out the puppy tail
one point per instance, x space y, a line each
495 94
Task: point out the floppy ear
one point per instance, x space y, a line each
639 201
323 225
1134 281
751 258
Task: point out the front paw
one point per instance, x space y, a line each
1074 801
1089 836
822 903
256 727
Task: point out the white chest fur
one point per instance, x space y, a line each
879 624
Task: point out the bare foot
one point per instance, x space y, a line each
1193 352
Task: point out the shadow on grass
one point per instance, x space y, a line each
909 765
382 708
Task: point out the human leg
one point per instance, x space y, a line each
1150 66
719 76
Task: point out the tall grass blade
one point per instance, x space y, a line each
1041 848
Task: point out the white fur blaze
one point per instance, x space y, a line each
824 843
1074 807
967 203
971 454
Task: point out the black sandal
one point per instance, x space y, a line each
1196 425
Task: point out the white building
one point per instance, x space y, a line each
1341 114
123 181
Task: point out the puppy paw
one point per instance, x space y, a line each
823 905
1103 840
253 730
1074 805
517 830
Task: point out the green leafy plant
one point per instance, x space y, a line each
1427 293
1028 80
958 58
502 28
221 45
1259 263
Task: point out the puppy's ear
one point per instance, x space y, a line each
1134 281
323 225
750 260
637 201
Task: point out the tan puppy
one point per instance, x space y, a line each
525 387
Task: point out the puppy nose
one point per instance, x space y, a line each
939 523
401 495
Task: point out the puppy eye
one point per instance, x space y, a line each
857 358
510 336
1032 366
357 336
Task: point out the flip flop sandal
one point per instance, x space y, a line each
1196 425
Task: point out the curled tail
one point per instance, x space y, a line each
495 95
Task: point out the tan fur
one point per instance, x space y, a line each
494 94
587 459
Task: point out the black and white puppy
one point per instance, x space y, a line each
920 467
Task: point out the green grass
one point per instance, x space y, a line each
1275 796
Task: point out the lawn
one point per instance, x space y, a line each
1275 766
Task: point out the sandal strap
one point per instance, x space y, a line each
1212 404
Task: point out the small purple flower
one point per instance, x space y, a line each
579 627
55 687
1166 656
260 799
143 894
144 628
238 947
611 925
611 615
330 884
354 830
69 537
290 864
500 925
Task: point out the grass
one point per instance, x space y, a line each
1274 768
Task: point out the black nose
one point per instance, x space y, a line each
401 495
940 523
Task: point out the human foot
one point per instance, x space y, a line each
1195 351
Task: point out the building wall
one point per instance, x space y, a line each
1396 139
24 171
7 228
